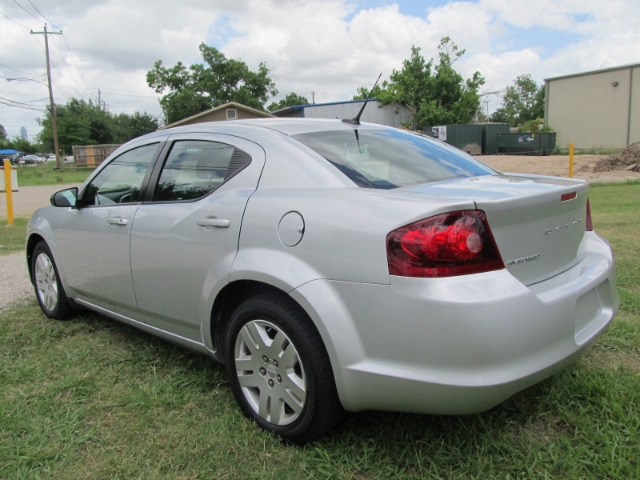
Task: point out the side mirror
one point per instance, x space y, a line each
65 198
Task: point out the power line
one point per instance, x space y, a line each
15 69
32 79
27 11
26 106
14 21
83 91
39 13
21 103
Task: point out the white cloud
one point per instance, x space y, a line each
325 49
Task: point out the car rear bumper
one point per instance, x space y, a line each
462 344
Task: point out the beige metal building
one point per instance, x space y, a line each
595 110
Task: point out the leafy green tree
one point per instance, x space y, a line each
364 93
435 94
289 101
218 80
523 101
79 123
87 123
451 98
411 86
3 133
19 144
127 127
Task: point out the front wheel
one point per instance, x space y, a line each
49 291
279 369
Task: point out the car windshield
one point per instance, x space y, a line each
388 159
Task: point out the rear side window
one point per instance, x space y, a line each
195 168
391 158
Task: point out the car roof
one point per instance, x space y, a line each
287 126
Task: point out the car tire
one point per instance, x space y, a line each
279 369
48 287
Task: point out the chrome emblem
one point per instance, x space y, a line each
523 260
561 228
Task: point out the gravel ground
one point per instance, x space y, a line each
14 280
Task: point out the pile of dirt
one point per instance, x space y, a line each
628 159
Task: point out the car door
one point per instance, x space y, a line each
184 240
93 241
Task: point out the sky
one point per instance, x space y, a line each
323 50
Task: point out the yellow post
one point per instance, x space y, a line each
571 160
8 187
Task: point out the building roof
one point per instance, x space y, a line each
604 70
239 106
301 107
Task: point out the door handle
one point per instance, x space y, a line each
214 222
117 221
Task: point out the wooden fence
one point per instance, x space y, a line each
91 155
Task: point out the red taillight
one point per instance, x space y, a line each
589 227
455 243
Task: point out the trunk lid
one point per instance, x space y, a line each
538 222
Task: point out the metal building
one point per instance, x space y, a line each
595 110
375 112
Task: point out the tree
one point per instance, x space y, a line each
194 89
451 99
3 133
522 102
19 144
410 86
79 123
289 101
87 123
364 94
435 95
127 127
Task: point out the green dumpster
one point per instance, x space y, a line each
527 143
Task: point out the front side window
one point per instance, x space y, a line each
391 158
121 180
195 168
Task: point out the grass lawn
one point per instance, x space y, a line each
12 237
92 398
46 173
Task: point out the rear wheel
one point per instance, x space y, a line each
49 290
279 369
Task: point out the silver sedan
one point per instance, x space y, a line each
332 266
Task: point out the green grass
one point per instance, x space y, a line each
92 398
12 237
47 174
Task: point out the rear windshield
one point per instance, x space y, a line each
391 158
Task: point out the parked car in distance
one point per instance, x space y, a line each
33 159
332 265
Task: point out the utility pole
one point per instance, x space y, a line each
53 105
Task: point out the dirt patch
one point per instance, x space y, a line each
584 167
627 160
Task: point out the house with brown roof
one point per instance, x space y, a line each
228 111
